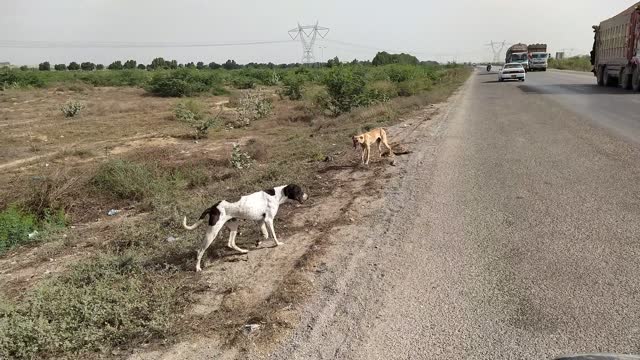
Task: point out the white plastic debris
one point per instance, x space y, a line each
112 212
171 239
33 234
250 328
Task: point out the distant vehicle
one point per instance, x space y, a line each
512 71
616 50
538 57
518 53
488 67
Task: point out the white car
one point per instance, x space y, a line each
512 71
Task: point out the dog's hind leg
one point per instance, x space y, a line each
212 233
386 143
379 141
233 226
273 232
264 231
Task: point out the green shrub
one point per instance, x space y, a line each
125 180
103 303
72 108
410 87
400 73
346 89
191 112
293 87
243 82
578 63
15 227
184 82
17 78
382 90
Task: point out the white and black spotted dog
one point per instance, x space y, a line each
260 206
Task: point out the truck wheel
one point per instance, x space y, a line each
600 76
607 78
625 80
635 79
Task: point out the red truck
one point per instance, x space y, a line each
616 50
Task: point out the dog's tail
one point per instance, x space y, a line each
200 220
191 227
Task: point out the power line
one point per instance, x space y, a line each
123 45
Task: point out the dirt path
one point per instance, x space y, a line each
314 236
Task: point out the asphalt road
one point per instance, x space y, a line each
514 233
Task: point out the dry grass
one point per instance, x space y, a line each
128 154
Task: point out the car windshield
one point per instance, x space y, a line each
513 66
539 56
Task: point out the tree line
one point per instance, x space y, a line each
381 58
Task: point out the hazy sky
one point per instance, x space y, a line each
432 29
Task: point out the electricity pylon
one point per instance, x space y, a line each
308 35
497 48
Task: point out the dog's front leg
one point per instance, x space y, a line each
368 153
273 232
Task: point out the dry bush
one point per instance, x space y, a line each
72 108
47 194
257 150
253 105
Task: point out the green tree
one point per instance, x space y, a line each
130 64
100 67
213 66
73 66
190 65
45 66
384 58
158 63
24 68
200 65
60 67
116 65
333 62
88 66
173 64
141 67
230 65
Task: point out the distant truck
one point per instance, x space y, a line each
616 50
518 53
538 57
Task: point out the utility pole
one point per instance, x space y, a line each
308 35
497 48
322 47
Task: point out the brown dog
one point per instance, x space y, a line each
367 139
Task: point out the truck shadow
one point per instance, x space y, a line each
574 89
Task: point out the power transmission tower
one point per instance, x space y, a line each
497 48
308 35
